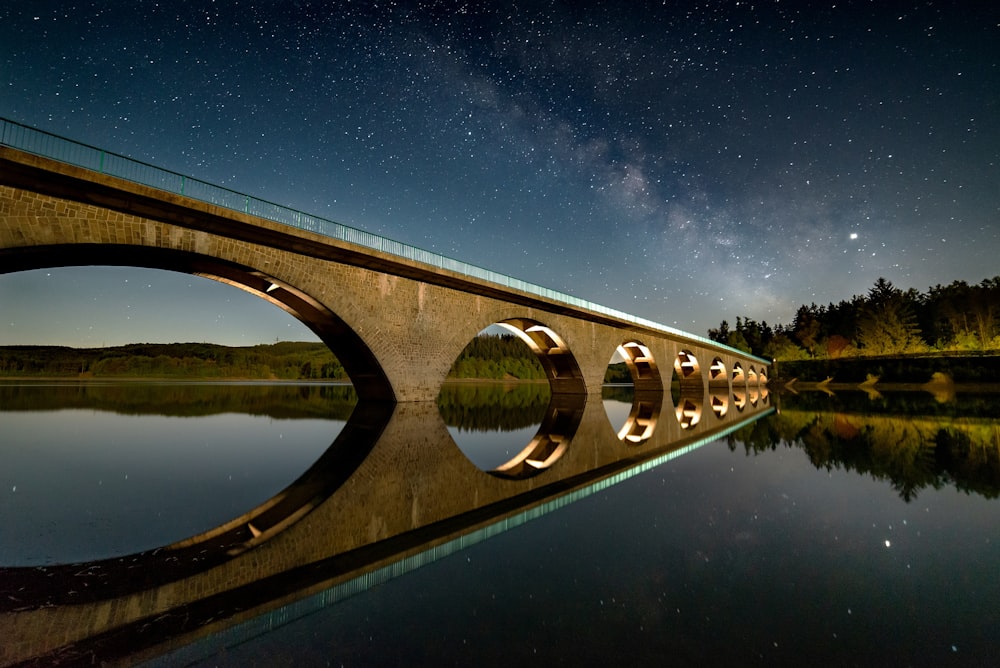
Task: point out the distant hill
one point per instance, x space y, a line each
487 356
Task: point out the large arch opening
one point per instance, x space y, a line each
252 430
198 553
360 364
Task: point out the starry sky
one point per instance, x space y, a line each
686 161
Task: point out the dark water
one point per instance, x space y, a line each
850 529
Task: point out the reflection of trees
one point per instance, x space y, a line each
623 393
493 406
276 400
910 452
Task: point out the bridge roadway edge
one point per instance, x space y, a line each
410 319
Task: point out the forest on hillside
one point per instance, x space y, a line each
886 321
288 360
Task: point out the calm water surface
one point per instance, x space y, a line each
840 530
98 470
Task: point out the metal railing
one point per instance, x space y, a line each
68 151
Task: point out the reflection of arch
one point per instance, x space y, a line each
739 398
119 576
688 413
642 418
642 366
717 373
754 394
558 362
720 403
365 372
562 418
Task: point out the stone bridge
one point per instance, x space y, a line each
396 323
393 485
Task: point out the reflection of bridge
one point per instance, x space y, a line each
391 493
397 317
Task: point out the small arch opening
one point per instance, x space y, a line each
499 402
720 403
688 413
717 373
686 366
633 392
739 398
686 389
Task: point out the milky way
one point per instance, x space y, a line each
686 163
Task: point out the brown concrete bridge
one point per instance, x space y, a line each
397 317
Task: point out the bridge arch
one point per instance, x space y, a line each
717 375
559 363
641 364
359 362
687 367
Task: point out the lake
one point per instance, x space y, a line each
286 524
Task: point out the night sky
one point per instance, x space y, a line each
687 162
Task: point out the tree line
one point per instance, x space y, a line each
486 356
288 360
885 321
